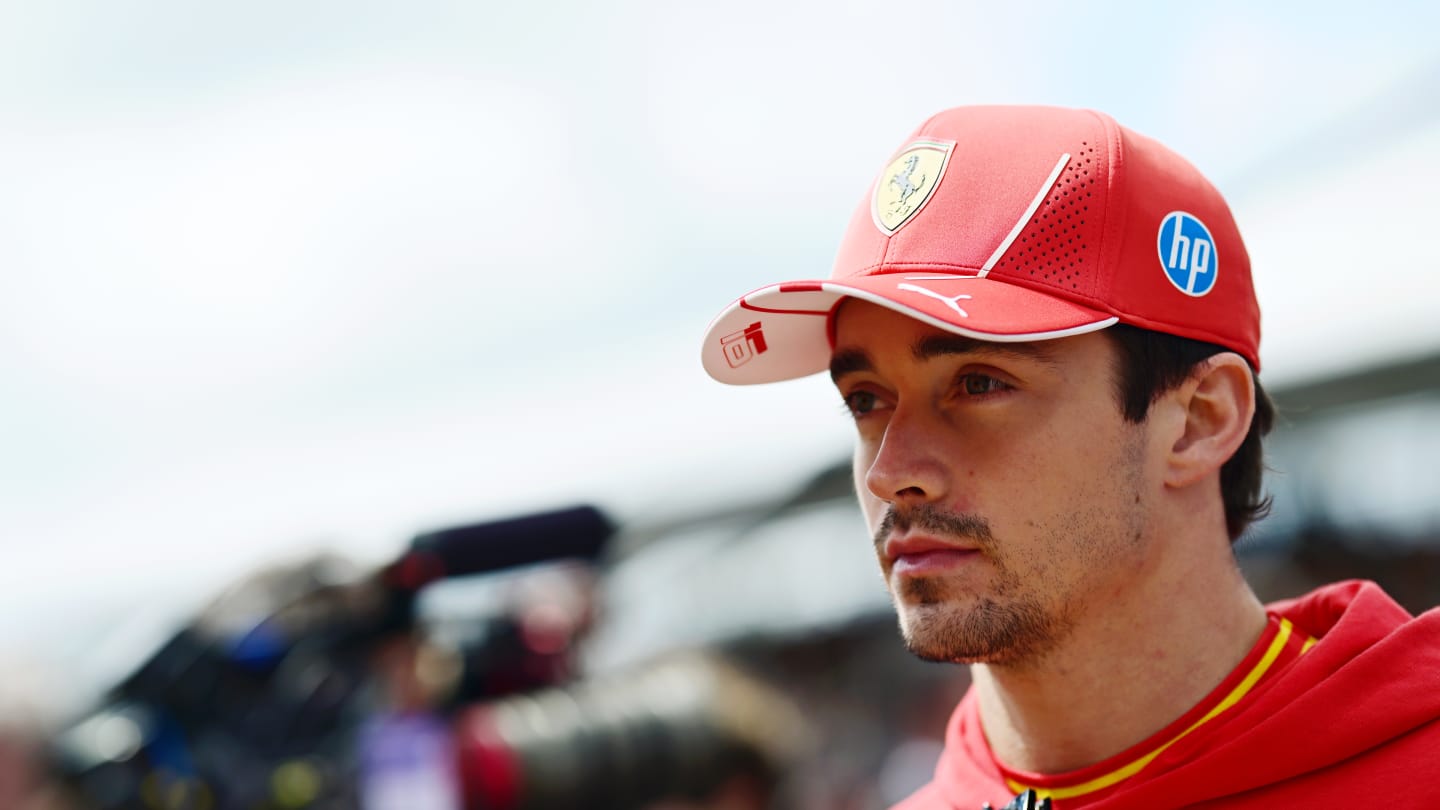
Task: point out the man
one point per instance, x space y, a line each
1044 327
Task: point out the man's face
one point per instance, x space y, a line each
1006 493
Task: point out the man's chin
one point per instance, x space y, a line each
940 654
928 633
982 632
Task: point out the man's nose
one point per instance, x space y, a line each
909 465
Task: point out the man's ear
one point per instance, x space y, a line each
1218 400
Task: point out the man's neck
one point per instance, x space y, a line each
1136 666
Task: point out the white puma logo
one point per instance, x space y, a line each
949 301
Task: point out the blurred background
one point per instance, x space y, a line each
286 288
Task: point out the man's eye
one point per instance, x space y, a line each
979 384
860 403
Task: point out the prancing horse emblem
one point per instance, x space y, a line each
904 182
908 182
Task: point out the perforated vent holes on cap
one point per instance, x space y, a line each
1051 247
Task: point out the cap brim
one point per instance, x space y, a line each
780 332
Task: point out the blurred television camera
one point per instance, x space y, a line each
322 686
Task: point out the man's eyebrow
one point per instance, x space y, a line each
941 345
848 362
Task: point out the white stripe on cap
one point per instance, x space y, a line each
1025 217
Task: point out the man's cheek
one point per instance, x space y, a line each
872 508
859 472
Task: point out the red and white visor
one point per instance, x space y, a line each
782 331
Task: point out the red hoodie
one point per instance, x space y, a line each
1337 706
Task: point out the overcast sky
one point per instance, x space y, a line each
277 275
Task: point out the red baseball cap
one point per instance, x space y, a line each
1008 224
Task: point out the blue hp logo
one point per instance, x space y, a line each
1187 253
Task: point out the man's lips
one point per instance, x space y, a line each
920 555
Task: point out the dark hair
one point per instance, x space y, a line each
1152 363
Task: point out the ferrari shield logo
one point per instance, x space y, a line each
907 183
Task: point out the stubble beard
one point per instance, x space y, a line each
941 622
